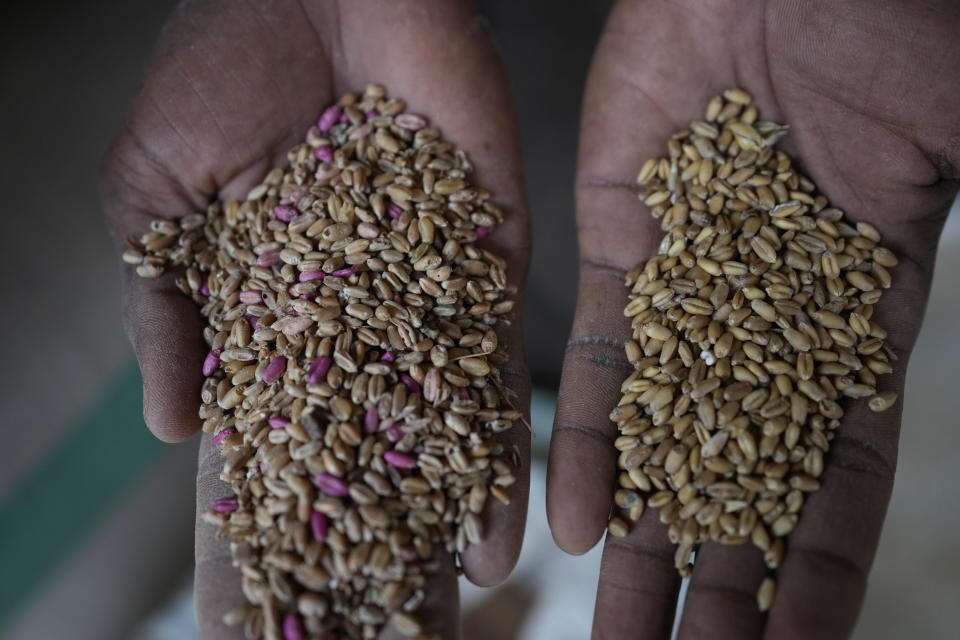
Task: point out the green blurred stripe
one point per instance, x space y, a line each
47 513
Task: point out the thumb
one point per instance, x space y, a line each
166 331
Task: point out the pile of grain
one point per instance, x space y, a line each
749 326
352 382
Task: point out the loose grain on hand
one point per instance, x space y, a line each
750 325
352 379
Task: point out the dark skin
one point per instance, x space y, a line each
871 93
230 88
872 106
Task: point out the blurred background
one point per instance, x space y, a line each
96 517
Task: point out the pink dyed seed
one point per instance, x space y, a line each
285 212
307 276
223 434
344 119
251 296
344 273
292 627
326 172
332 485
225 505
373 113
278 422
318 369
329 118
275 369
318 523
410 121
252 321
211 362
324 154
400 460
394 210
268 258
388 356
482 232
394 434
205 286
412 385
371 421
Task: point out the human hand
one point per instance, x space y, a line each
230 88
870 94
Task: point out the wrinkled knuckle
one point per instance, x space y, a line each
603 268
860 456
600 350
826 562
578 430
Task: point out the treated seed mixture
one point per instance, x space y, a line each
749 325
352 382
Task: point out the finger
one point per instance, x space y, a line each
621 127
438 57
165 328
582 463
638 585
822 581
722 596
216 584
821 584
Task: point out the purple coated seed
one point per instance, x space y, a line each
410 121
225 505
324 154
482 232
388 356
373 113
412 385
292 627
318 369
211 362
394 210
371 421
268 258
285 212
313 274
400 460
275 369
344 273
223 434
332 485
205 286
277 422
329 118
318 524
251 296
